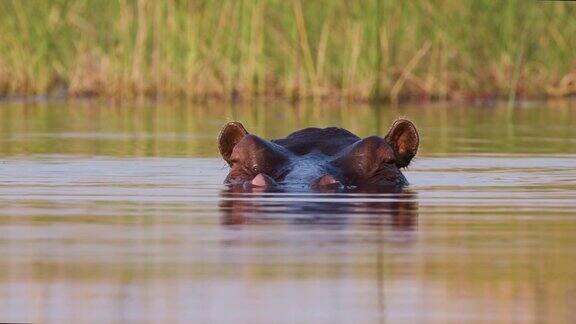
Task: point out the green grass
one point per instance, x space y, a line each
324 49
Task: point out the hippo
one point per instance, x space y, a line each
318 158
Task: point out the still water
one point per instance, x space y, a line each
118 214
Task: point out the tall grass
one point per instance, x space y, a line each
324 49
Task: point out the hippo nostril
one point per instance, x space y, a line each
326 181
259 181
262 180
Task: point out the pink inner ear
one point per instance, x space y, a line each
403 136
406 143
231 134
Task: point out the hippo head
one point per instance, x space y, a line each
318 158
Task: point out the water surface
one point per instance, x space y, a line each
118 214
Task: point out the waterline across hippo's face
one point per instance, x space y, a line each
318 158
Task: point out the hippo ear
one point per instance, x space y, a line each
403 137
230 135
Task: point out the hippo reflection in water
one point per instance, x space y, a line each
396 211
318 158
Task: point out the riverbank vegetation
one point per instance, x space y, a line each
324 49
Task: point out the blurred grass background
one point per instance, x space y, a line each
322 49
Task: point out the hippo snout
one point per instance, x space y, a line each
262 180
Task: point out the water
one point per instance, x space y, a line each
118 214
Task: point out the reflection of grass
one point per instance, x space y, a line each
331 49
171 130
472 260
